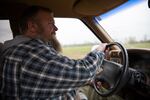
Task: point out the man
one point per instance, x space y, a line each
33 68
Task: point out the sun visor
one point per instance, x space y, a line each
95 7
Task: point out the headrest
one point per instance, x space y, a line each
1 45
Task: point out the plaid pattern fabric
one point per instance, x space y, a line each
34 70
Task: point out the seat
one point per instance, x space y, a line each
1 46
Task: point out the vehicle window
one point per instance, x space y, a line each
75 37
128 24
5 31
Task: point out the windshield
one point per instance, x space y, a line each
128 24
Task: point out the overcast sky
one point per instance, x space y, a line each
133 21
126 22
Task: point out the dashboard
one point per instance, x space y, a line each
139 59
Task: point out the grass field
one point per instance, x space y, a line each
138 45
76 51
79 51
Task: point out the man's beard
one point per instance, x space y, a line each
55 43
52 39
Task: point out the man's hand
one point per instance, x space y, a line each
99 70
101 47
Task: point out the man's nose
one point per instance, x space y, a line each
55 28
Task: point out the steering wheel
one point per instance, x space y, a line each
113 76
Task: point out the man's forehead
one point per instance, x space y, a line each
46 15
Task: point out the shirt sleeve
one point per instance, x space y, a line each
51 69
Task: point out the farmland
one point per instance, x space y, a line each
79 51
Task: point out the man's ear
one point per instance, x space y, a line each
32 26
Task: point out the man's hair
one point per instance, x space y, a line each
29 14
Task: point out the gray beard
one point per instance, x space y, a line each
55 43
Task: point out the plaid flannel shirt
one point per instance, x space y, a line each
34 70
